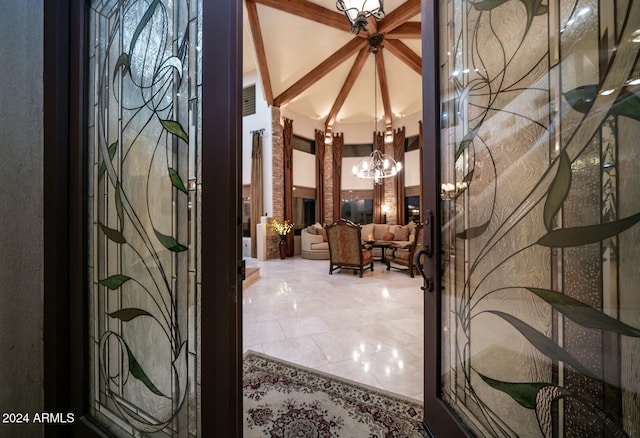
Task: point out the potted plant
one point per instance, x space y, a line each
282 228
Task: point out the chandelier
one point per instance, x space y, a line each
378 165
357 11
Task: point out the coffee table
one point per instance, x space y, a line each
382 244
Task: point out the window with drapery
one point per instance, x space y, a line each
304 208
357 206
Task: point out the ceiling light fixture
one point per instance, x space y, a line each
358 11
378 165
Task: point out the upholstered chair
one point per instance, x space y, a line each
345 248
401 256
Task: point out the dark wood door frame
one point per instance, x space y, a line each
438 420
65 230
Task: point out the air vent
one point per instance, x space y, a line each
357 150
249 100
412 143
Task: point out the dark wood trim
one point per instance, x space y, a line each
400 15
334 60
221 349
357 194
439 420
310 11
263 66
78 297
65 323
356 68
56 213
413 191
384 89
408 30
405 54
304 192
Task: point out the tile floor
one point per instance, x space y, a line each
366 329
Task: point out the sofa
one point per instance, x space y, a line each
313 242
400 236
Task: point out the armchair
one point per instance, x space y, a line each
345 248
403 254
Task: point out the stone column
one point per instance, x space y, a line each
390 190
277 147
328 184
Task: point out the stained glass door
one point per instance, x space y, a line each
143 215
539 321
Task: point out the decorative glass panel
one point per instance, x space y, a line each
143 219
539 145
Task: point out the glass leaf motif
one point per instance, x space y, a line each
143 300
560 151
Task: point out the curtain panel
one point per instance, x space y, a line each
398 155
320 154
256 190
287 135
338 146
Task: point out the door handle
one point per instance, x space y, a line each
427 251
417 262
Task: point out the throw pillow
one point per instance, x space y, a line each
401 233
322 232
366 231
379 230
312 230
387 236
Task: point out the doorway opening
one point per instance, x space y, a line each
368 329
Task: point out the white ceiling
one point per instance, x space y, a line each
295 45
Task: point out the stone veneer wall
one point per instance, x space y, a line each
328 184
277 147
390 189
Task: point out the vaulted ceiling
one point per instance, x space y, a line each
309 62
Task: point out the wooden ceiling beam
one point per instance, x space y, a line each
384 88
320 71
256 32
399 15
406 55
409 30
346 87
310 11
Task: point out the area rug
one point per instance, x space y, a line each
286 400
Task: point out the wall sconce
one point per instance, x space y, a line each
385 209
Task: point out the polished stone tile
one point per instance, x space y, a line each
303 351
302 326
366 329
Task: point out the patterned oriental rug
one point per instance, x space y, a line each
286 400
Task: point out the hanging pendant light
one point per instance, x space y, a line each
378 165
358 11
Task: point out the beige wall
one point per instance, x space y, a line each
21 231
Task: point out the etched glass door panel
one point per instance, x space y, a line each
540 209
143 221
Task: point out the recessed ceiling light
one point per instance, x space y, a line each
635 36
570 22
634 82
583 11
607 92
